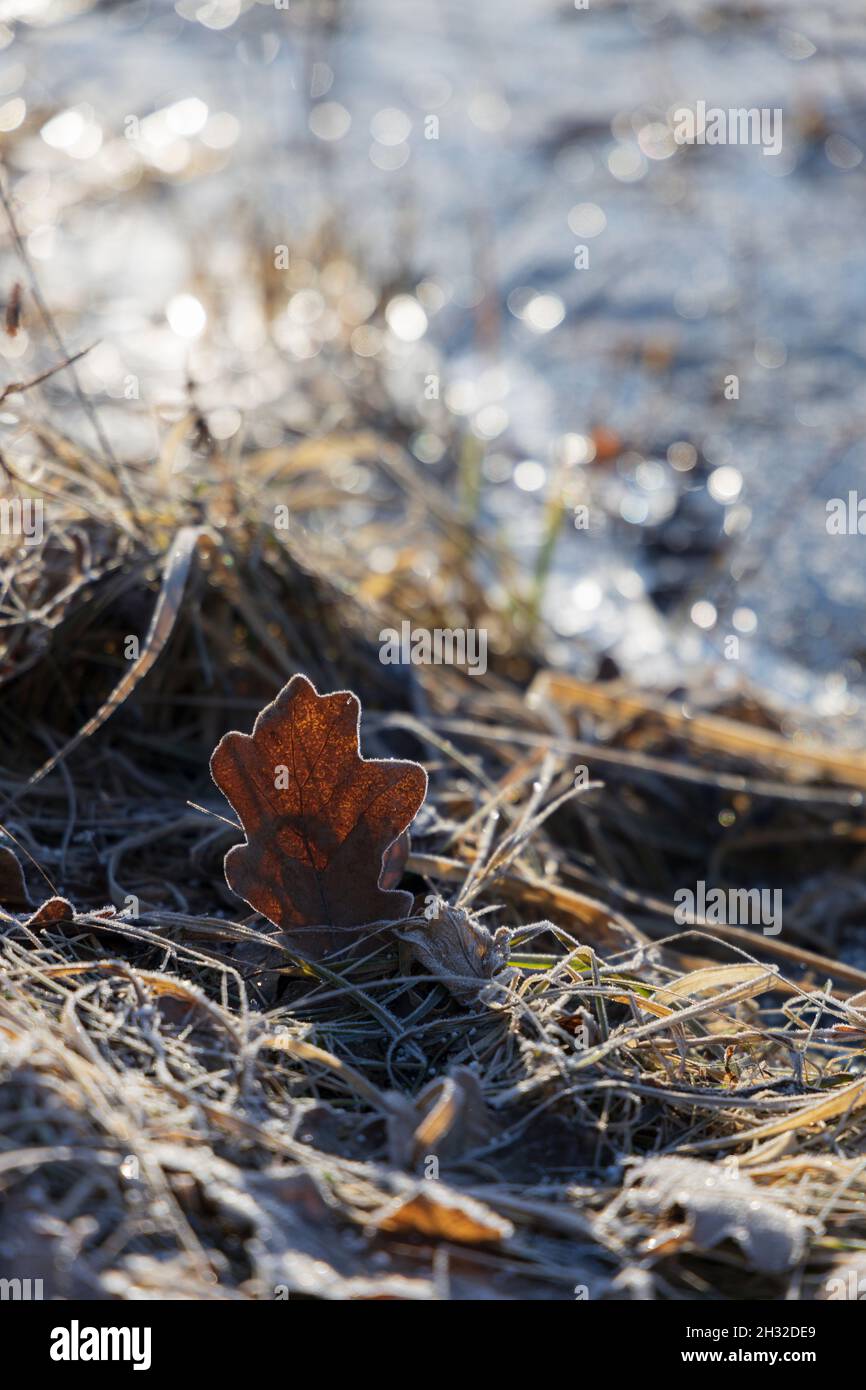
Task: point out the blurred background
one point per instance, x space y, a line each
300 218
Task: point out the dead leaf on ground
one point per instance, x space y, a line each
53 910
454 945
718 1206
441 1212
448 1117
318 817
13 889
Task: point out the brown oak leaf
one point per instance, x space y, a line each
318 817
52 911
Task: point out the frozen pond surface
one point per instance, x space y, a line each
495 139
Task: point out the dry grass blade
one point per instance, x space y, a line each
710 732
166 610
